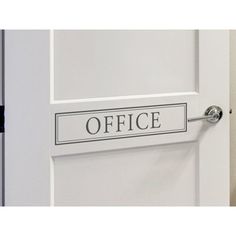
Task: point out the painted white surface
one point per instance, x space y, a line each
233 116
27 133
116 172
214 143
120 123
138 176
112 58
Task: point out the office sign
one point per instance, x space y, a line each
117 123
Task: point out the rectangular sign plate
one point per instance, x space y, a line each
117 123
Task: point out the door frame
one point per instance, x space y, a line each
1 103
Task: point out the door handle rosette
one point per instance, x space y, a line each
212 114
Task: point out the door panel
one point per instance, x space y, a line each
93 64
156 175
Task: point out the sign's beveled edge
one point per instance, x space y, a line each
76 141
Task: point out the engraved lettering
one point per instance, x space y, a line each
155 120
108 123
130 122
98 125
138 120
120 122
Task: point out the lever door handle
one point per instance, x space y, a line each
212 114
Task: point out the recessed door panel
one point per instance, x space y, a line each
157 175
94 64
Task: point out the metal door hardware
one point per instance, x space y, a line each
212 114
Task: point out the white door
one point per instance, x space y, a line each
102 118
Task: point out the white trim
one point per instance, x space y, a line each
214 186
69 101
52 181
51 45
51 49
27 131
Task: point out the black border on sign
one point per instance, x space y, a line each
57 115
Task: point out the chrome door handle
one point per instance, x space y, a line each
212 114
